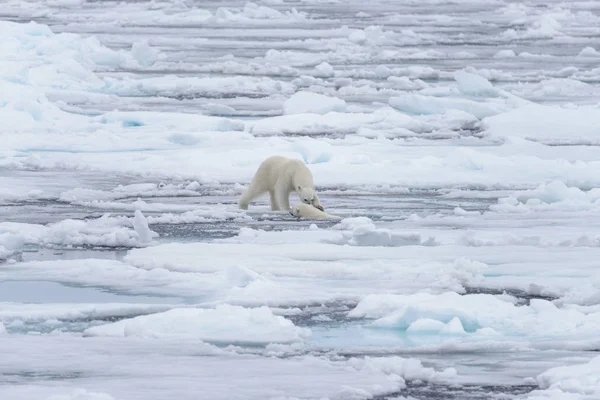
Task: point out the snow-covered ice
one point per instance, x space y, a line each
574 382
224 324
456 141
308 102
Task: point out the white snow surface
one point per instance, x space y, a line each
308 102
81 394
457 141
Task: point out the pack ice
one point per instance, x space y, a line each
457 142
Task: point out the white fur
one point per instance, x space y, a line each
279 176
307 211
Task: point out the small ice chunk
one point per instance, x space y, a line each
324 70
505 54
462 212
472 84
2 328
140 224
589 52
144 54
308 102
382 71
193 186
357 36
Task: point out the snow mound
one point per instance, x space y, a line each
324 70
451 313
474 85
29 110
505 54
423 105
363 232
145 55
2 329
10 244
581 381
37 42
308 102
410 369
557 191
555 195
548 124
589 52
140 225
225 324
104 231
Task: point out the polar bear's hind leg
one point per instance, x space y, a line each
251 193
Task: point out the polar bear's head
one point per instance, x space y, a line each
307 195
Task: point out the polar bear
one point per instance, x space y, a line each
280 176
307 211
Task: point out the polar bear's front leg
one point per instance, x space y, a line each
274 206
282 198
317 203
